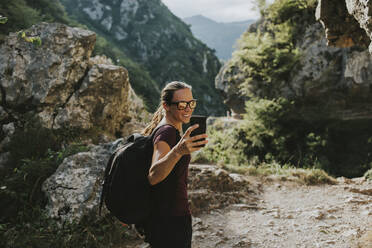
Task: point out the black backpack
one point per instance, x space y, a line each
126 190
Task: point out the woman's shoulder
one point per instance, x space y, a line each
166 128
166 133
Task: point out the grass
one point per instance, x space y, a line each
310 176
368 175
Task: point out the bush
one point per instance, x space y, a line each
273 131
44 232
368 174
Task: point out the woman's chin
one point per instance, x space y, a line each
186 120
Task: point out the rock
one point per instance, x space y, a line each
341 28
4 159
351 232
351 23
335 78
46 74
243 243
59 85
211 188
367 190
270 223
230 89
317 214
74 189
366 240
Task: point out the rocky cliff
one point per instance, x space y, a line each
152 36
333 80
58 84
347 22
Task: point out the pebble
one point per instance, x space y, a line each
270 223
349 233
319 215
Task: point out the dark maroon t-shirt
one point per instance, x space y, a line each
170 195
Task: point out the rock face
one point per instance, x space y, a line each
61 86
153 37
338 79
346 22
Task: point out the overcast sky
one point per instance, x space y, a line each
218 10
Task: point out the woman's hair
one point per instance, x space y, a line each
166 97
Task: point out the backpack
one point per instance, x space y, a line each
125 188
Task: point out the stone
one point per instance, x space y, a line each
334 69
73 191
61 86
211 188
346 22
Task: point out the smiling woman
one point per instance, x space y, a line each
170 222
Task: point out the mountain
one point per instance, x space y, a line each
219 36
157 40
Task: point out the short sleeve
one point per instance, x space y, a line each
166 133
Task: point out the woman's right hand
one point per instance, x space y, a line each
187 145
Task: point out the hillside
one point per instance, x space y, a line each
157 40
219 36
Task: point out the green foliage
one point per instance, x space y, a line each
24 13
35 153
43 232
368 174
20 16
224 146
34 40
267 56
274 131
23 180
3 19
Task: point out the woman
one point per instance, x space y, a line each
170 222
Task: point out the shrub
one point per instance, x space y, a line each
368 174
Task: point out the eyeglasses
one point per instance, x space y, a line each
181 105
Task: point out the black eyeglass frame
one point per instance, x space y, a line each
187 104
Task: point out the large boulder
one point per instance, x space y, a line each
73 191
60 85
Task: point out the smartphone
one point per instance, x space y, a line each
202 121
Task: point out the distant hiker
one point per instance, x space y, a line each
170 222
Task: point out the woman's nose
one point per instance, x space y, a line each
188 109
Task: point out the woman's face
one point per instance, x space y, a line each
177 115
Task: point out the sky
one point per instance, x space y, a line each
217 10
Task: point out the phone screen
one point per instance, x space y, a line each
202 121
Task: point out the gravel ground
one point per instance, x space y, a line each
289 214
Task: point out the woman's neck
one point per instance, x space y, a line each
169 121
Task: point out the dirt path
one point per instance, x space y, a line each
288 214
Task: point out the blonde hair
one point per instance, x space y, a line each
166 97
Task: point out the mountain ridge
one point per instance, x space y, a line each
209 32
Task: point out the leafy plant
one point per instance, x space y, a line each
34 40
3 19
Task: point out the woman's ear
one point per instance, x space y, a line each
166 107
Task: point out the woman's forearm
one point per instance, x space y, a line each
161 168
